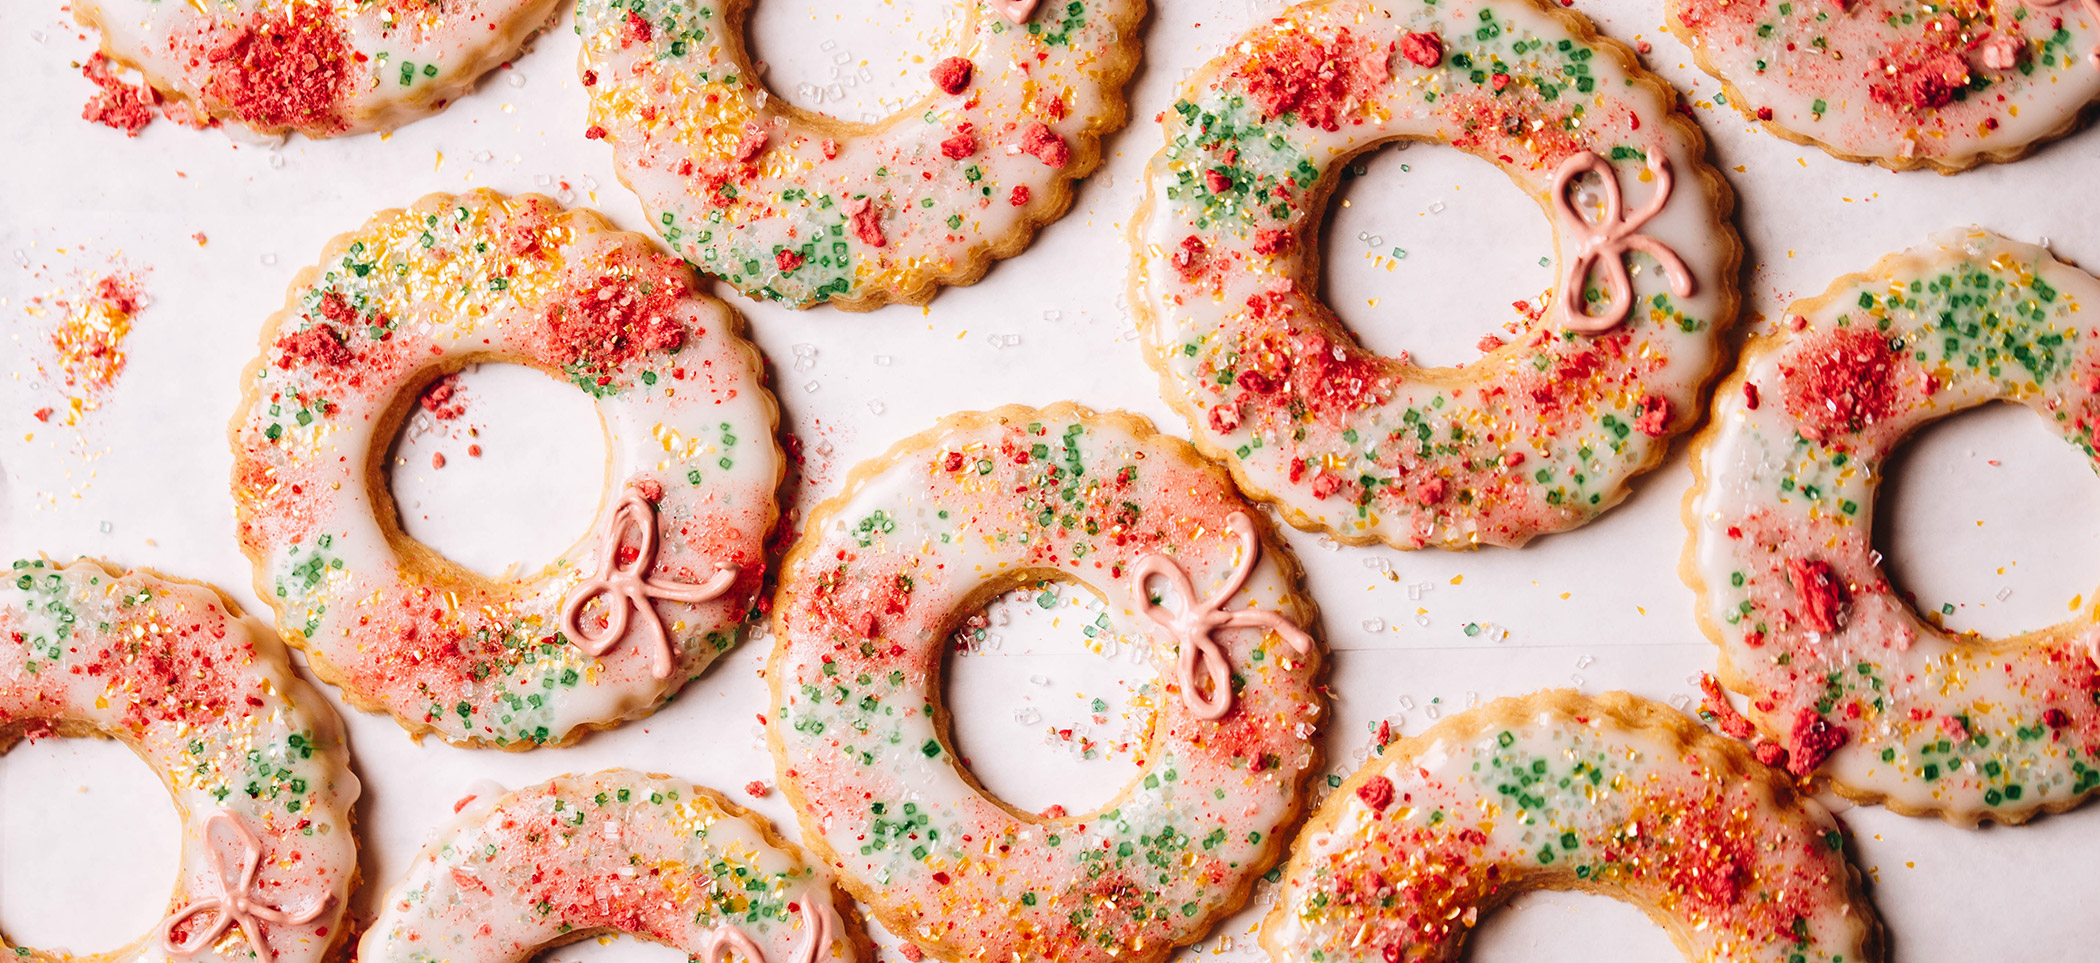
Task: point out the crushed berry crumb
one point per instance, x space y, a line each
1822 594
275 70
1376 792
116 104
1042 142
319 345
1422 49
1814 739
953 74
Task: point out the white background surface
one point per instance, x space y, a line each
1987 512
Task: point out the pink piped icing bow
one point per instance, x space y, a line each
724 942
1193 625
628 589
234 906
1607 243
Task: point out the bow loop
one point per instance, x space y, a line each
629 591
1200 656
1604 244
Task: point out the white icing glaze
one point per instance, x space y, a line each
802 209
689 424
1610 795
1540 435
869 597
210 702
321 67
615 851
1900 83
1835 662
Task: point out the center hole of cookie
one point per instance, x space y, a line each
1549 926
1042 698
1989 522
498 467
78 817
857 62
1428 250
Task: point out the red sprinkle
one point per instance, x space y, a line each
437 459
1019 196
788 260
756 789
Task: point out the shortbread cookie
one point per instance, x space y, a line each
1541 434
613 852
252 755
1840 671
800 208
918 541
1900 84
1612 795
612 628
318 68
